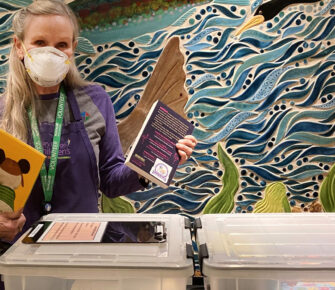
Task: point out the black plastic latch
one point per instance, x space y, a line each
203 253
189 251
197 223
188 223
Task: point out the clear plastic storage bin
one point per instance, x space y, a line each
268 251
113 266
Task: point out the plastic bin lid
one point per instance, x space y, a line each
169 255
293 240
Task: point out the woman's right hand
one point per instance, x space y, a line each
11 223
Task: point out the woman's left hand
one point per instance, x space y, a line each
11 223
185 147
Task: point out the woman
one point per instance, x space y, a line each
44 101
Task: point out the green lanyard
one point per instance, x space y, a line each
48 178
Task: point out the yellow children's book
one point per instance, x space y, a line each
20 165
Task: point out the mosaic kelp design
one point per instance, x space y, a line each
223 202
327 191
274 199
262 103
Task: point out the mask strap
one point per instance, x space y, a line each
26 51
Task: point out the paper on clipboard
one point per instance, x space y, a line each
67 232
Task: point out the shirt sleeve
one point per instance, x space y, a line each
116 178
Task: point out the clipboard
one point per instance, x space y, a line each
63 232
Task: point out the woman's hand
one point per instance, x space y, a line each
11 223
185 147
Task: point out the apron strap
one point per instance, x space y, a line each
74 105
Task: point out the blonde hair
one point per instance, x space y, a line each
20 92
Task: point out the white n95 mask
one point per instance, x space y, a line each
46 66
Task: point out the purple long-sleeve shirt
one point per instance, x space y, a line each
90 154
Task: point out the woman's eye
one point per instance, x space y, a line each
39 42
62 45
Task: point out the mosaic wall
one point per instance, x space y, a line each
260 80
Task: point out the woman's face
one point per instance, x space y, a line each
47 30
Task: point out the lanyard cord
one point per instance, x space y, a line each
48 178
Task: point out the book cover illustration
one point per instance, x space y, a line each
20 165
154 154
